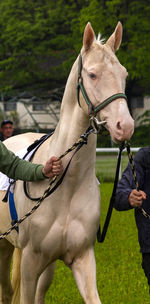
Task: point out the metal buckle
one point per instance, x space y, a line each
96 124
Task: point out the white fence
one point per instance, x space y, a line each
115 150
112 150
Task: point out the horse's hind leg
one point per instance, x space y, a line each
44 282
84 272
6 251
16 276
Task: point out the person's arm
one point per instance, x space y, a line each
124 188
127 197
16 168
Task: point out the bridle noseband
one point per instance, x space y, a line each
91 109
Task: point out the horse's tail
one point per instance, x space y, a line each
16 276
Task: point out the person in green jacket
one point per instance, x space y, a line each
16 168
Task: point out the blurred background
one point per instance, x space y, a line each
39 41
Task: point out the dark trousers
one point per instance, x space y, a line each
146 265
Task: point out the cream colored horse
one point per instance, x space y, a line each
66 224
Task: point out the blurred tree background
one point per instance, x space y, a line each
39 40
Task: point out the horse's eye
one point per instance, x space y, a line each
92 76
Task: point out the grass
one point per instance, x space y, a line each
120 278
106 167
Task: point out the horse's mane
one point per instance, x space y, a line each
99 39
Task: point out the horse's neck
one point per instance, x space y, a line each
73 122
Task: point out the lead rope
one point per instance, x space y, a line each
101 235
134 177
81 141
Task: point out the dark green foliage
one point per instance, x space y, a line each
39 40
36 38
104 140
140 137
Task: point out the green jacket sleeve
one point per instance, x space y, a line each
17 168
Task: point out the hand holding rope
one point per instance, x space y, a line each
135 177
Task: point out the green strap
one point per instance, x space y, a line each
88 102
109 100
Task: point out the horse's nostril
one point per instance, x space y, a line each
118 125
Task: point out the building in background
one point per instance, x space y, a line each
33 113
42 113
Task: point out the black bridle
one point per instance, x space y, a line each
92 110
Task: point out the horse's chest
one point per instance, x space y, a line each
66 228
66 236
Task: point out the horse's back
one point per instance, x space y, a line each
21 141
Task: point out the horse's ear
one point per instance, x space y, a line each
114 40
88 36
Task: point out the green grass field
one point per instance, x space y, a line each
106 166
120 278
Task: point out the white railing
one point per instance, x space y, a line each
112 150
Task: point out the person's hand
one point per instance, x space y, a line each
136 197
52 167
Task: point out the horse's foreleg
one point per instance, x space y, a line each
6 251
84 272
44 282
30 272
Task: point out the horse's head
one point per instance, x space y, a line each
102 78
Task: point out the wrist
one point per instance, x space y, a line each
43 172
